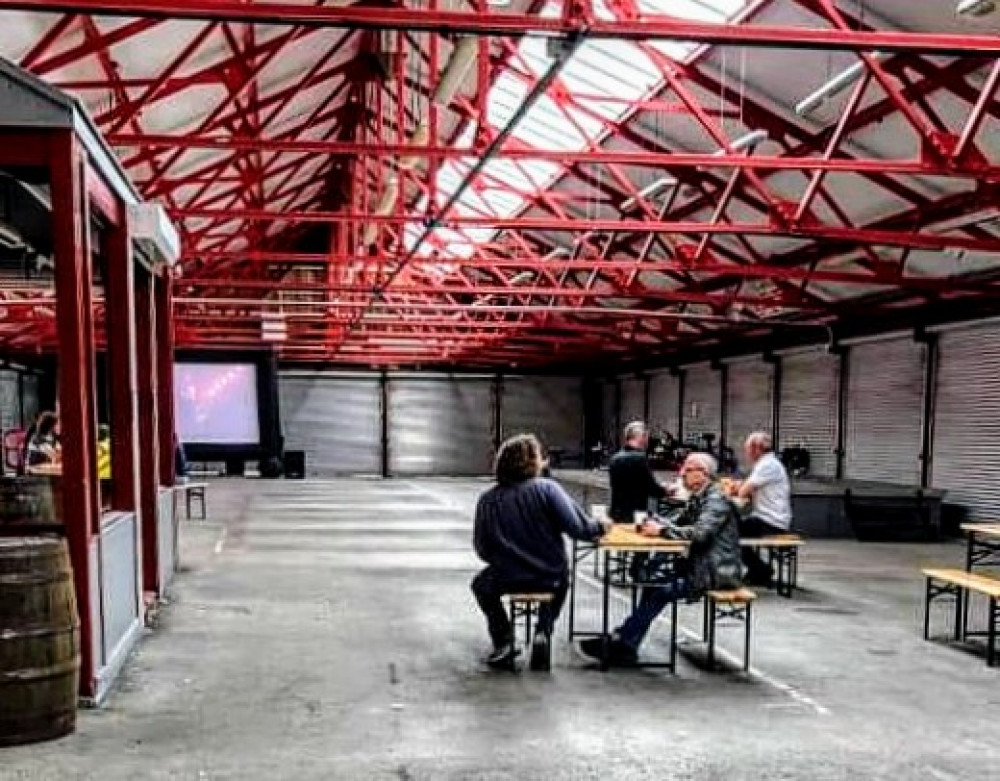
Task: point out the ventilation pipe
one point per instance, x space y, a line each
463 57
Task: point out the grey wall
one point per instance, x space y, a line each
444 424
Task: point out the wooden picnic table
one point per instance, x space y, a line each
622 539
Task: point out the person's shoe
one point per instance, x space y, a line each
760 579
619 654
502 657
541 653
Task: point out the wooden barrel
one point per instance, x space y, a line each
39 640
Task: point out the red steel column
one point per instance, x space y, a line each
165 375
145 323
120 327
76 390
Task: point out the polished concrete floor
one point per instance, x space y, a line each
324 630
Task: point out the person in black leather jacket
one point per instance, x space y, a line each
710 523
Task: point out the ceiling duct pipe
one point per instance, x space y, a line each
463 57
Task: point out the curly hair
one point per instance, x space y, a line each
520 458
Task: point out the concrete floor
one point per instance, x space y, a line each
324 630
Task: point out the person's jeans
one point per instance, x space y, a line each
675 586
489 588
752 527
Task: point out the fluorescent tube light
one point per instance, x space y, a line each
649 191
833 87
975 8
747 142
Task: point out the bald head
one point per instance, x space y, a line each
636 435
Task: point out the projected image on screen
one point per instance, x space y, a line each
216 403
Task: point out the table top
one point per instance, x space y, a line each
986 529
45 470
623 536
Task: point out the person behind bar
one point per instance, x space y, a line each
43 447
518 533
709 522
632 481
770 495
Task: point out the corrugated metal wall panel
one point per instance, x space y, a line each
702 402
10 400
335 419
885 388
808 408
29 399
609 428
967 419
664 390
549 407
440 425
633 400
749 400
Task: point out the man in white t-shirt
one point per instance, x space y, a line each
770 495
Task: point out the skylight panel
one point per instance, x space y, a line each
605 78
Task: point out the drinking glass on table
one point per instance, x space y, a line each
599 512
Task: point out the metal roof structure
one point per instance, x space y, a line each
492 184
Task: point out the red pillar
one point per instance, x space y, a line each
145 323
120 326
79 506
165 375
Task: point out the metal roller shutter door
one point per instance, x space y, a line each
664 392
335 419
808 408
549 407
440 426
633 400
885 389
967 419
749 400
10 400
702 402
609 426
29 399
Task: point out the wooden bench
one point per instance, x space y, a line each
196 492
525 606
961 585
782 558
733 603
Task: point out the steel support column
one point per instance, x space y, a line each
120 330
145 317
166 428
77 401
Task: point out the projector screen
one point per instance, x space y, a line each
216 403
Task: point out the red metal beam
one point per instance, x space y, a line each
646 27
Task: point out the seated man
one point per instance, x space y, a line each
518 533
713 561
770 495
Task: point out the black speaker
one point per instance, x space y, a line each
295 464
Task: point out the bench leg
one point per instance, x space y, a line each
187 503
927 609
673 636
204 507
513 634
704 622
991 638
711 633
748 619
960 598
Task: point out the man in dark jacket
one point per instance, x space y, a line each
632 481
518 533
710 523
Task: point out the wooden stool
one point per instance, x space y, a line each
525 606
734 603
